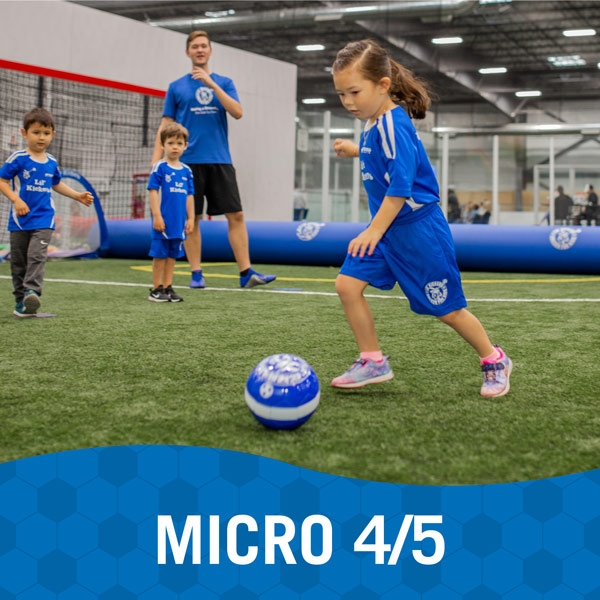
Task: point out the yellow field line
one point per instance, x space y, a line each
148 269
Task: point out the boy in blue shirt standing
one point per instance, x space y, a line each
32 218
171 190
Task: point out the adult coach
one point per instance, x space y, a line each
200 101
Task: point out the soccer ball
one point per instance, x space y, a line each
282 391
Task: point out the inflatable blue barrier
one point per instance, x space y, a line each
501 248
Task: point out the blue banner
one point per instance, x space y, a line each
168 522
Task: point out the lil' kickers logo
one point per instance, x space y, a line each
564 238
437 292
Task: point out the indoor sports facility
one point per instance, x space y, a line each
516 88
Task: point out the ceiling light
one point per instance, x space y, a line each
310 47
447 40
313 100
528 93
492 70
572 60
579 32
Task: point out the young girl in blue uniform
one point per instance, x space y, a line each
408 240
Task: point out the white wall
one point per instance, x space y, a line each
68 37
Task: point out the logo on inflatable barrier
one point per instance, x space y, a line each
564 238
437 292
308 231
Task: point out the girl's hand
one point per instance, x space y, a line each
365 242
345 148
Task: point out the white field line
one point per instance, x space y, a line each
306 293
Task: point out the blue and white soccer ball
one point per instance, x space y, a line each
282 391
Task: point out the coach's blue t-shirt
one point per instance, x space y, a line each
393 162
174 185
33 181
196 107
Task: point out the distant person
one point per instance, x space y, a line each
300 205
171 191
563 204
454 212
470 212
591 210
32 219
483 213
408 240
201 101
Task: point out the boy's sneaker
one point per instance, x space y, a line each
173 295
496 377
158 295
253 279
197 280
20 310
364 372
31 302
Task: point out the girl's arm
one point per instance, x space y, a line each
366 241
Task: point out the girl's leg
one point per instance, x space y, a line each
468 326
496 366
372 366
357 311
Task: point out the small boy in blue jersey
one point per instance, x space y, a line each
27 179
171 190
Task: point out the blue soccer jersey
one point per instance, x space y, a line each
393 162
34 181
174 186
417 250
196 107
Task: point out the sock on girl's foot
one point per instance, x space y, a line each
376 356
495 356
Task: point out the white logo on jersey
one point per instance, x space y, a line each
437 292
27 174
204 95
564 238
168 177
308 231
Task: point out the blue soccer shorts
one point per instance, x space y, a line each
167 248
420 257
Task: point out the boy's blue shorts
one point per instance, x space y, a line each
167 248
421 258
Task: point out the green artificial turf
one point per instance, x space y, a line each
114 369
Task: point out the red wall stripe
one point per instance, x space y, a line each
45 72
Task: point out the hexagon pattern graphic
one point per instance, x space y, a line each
168 522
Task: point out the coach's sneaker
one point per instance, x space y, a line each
173 295
20 310
496 377
197 280
364 372
253 279
31 302
158 295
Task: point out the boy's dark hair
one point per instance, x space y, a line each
38 115
194 34
173 130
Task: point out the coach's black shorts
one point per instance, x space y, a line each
219 185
